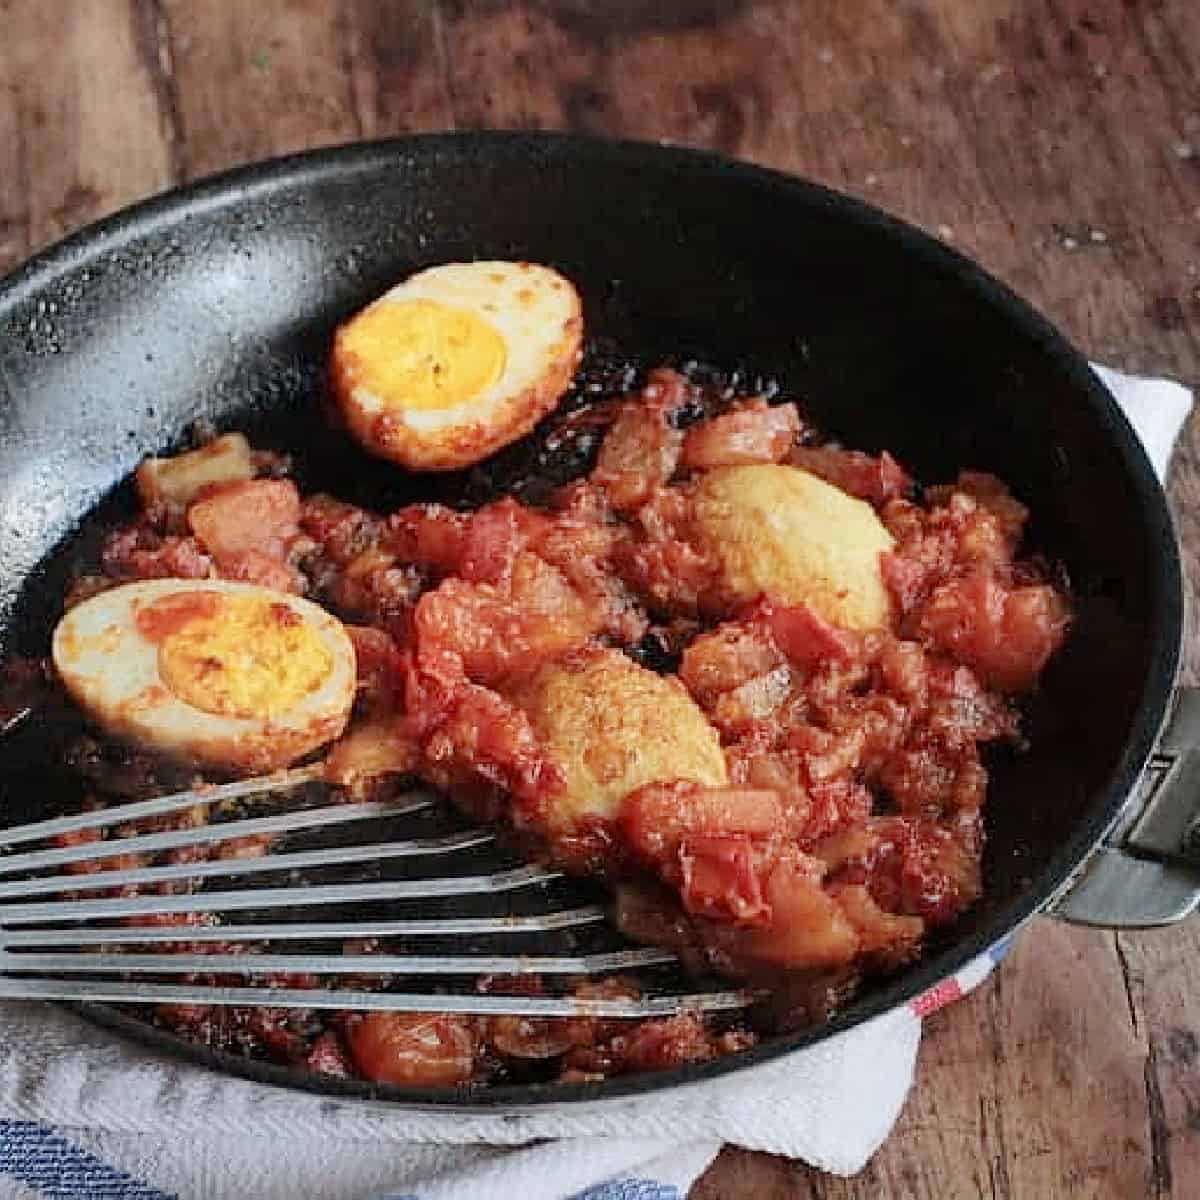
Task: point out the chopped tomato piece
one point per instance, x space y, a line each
807 638
781 771
1006 635
257 514
836 804
417 1049
913 866
880 933
137 552
731 655
536 1037
905 579
669 1042
379 664
80 837
657 816
807 928
254 566
719 879
641 450
504 632
939 876
993 495
251 846
431 683
327 1057
486 739
671 576
429 536
903 671
494 537
342 530
874 479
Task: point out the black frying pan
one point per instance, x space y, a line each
218 301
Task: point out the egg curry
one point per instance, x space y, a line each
747 677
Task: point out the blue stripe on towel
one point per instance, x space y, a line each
40 1158
998 952
614 1189
629 1189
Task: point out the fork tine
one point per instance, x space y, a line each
148 843
282 781
281 897
338 964
588 914
288 861
527 1006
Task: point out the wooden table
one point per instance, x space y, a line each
1057 141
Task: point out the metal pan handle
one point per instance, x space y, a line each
1146 872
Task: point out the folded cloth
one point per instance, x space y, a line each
85 1115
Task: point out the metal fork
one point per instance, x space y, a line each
430 885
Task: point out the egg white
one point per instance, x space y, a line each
112 671
537 314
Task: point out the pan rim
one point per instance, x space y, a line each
288 174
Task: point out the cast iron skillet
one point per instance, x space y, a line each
218 301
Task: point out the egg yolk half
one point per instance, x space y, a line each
244 656
421 354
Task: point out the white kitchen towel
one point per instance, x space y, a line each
86 1116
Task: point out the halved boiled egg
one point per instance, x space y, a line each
613 726
781 532
225 674
457 361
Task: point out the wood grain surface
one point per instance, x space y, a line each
1057 141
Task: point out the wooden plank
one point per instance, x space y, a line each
258 79
1046 1045
80 111
278 76
14 182
397 67
1023 1089
1161 974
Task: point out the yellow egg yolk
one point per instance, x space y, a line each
250 658
421 354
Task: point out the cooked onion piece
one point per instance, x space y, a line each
178 480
